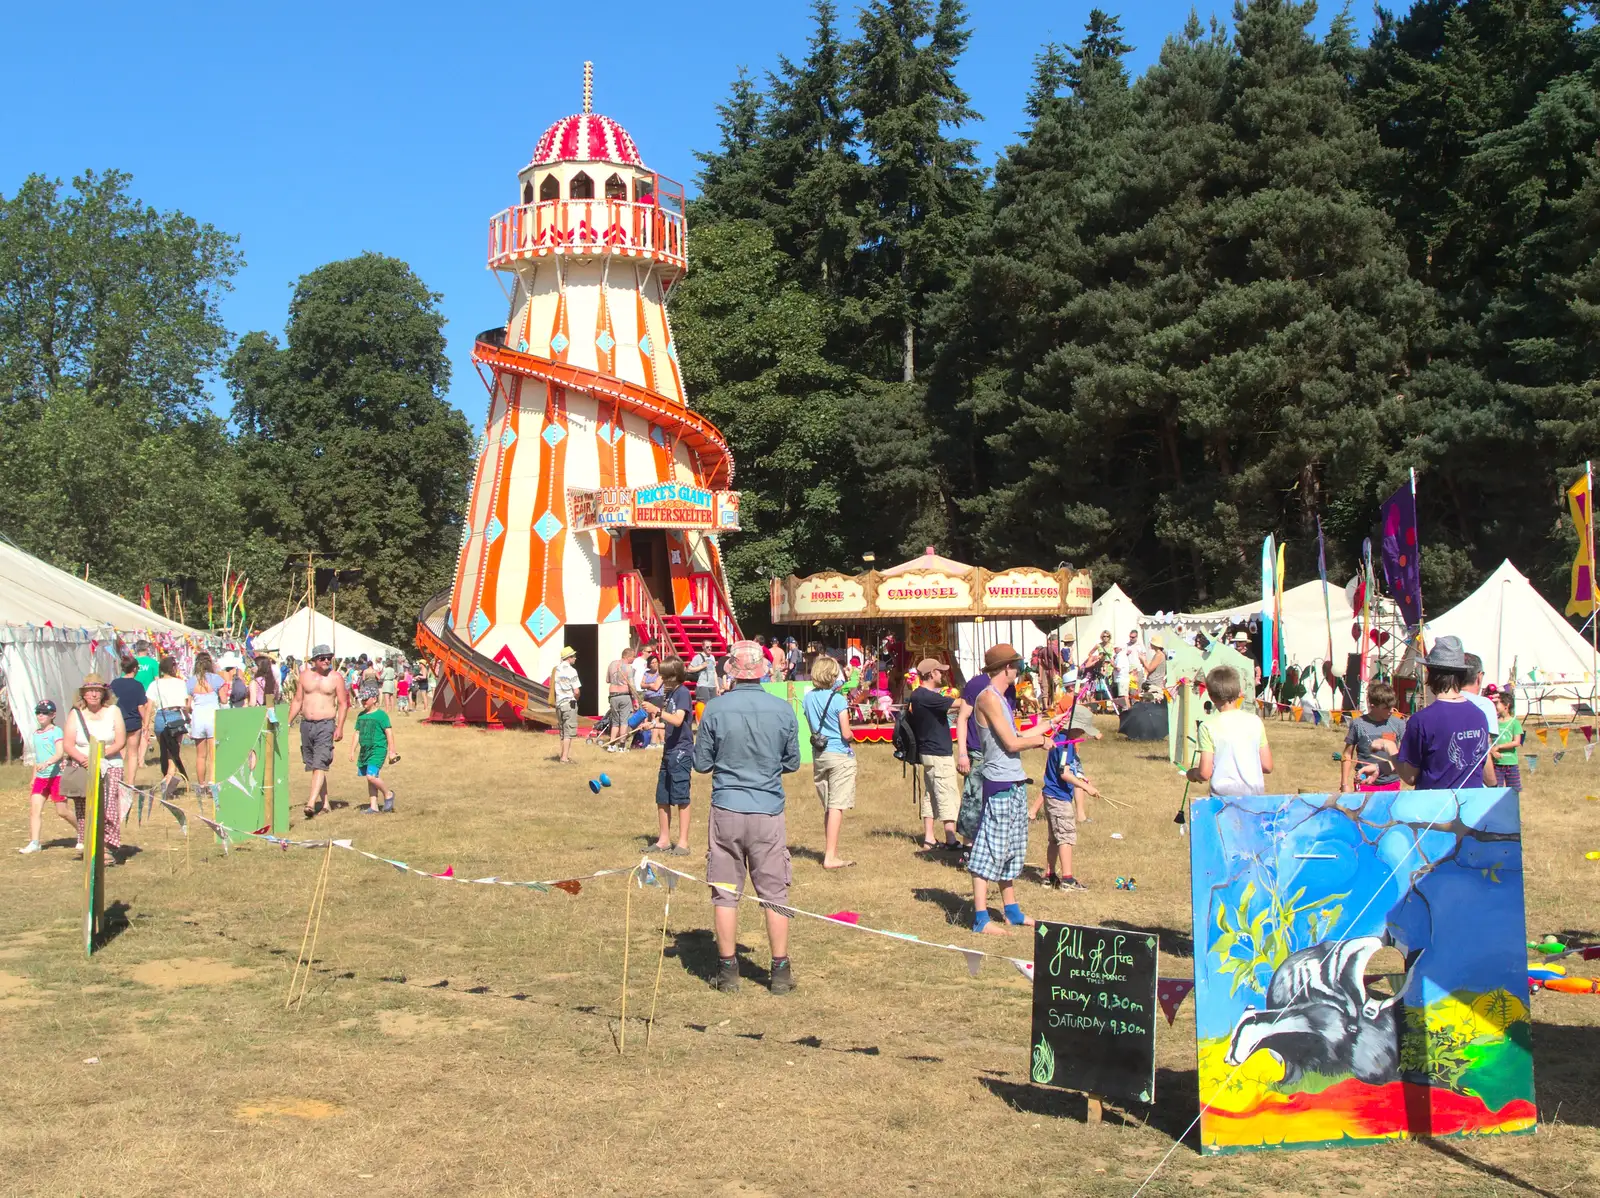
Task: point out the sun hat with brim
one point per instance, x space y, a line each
929 664
321 651
746 661
1446 654
93 682
1158 641
231 661
999 656
568 651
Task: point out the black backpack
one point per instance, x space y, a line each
905 740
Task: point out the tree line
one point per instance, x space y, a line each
1249 289
1241 293
340 443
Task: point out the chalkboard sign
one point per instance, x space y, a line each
1094 1007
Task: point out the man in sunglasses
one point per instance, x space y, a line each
322 702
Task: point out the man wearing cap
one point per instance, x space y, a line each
322 702
1446 744
565 687
928 709
1001 842
748 740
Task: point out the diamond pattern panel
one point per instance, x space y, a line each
559 343
553 434
492 533
548 526
605 341
478 626
542 623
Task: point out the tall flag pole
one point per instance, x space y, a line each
1268 629
1280 654
1580 501
1322 572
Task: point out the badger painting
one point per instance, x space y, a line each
1320 1019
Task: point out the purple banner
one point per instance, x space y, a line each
1402 557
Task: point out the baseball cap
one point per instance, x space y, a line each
929 664
44 707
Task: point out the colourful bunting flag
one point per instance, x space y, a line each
1170 993
1555 758
1588 731
1543 734
1563 733
570 887
1533 763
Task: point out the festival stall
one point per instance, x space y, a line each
296 636
915 610
55 628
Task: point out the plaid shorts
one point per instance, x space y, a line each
1001 843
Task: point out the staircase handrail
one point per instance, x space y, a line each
711 600
638 605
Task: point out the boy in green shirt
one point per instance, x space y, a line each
1507 772
373 748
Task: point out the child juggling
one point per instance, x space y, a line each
373 749
1064 784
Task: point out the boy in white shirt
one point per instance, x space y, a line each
1234 756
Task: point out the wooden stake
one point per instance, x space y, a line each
627 928
313 925
1094 1110
666 916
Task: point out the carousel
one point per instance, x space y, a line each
881 622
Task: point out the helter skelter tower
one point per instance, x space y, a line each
599 494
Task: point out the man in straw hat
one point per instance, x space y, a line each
322 702
1001 842
748 740
565 687
1446 744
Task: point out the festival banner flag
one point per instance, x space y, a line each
1279 653
1563 733
1269 558
1170 993
1581 601
1543 734
1322 573
1402 562
1587 730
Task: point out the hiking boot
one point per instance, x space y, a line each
728 976
782 977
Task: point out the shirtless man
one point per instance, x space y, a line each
323 702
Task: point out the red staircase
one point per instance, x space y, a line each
695 634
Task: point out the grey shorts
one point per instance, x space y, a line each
621 709
741 842
567 717
316 744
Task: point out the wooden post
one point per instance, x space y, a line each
1094 1110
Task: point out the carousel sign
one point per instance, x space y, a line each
943 589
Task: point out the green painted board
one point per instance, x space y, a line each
791 693
246 778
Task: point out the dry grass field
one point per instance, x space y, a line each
464 1038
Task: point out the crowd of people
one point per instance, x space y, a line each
153 707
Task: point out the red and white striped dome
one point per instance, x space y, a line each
586 137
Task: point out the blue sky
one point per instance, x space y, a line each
315 132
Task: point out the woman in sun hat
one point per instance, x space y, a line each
96 718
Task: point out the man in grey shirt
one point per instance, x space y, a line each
748 740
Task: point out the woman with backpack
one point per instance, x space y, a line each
833 761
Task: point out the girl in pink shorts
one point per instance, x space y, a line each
49 750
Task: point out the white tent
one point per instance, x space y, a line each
306 629
55 628
1113 610
1305 623
1508 624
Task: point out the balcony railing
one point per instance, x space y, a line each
711 600
586 227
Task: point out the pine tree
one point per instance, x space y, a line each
732 177
924 188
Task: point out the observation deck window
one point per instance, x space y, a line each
581 187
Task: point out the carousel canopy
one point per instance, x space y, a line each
932 585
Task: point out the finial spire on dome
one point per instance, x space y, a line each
588 87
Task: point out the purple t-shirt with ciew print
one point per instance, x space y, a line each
976 685
1447 743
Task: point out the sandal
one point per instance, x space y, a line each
928 846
